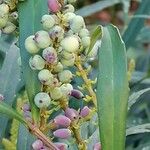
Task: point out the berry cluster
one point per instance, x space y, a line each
55 49
7 19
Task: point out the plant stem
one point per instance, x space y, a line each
35 131
87 81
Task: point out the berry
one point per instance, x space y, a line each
42 39
3 20
84 32
9 28
66 89
4 9
67 55
1 97
62 121
77 23
42 100
71 113
69 8
48 22
62 133
45 77
68 17
54 6
65 76
37 145
50 55
77 94
97 146
36 62
68 63
71 1
61 146
58 68
56 93
70 44
30 45
86 41
85 111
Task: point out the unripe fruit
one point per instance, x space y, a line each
65 76
85 111
68 63
71 113
69 8
62 133
30 45
54 6
50 55
15 15
69 33
77 94
71 1
67 55
97 146
4 9
61 146
58 68
84 32
56 93
62 121
1 97
42 100
68 17
66 89
9 28
45 77
70 44
3 20
42 39
57 32
86 41
77 23
36 62
37 145
47 22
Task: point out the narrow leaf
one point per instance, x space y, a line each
97 34
30 13
112 90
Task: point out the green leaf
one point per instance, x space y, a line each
112 90
136 24
11 113
97 34
144 128
135 97
30 13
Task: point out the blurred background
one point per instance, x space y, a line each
132 17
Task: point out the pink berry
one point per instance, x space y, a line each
54 6
85 111
26 107
62 133
62 121
61 146
97 146
77 94
37 145
71 113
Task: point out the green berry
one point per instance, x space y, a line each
9 28
42 100
65 76
30 45
86 41
70 44
56 93
36 62
48 22
68 63
58 68
3 20
42 39
67 55
45 77
77 23
84 32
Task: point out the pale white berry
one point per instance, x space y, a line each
56 93
36 62
9 28
68 63
70 44
66 89
50 55
45 76
69 16
65 76
77 23
31 46
69 8
67 55
42 39
42 100
58 68
86 41
84 32
48 22
4 9
3 20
